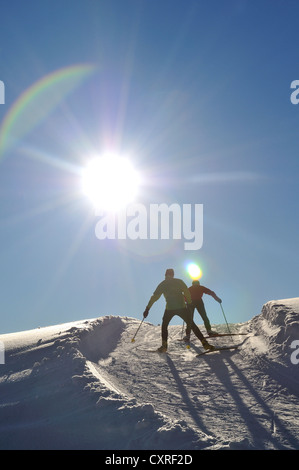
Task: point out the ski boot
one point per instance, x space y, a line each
163 348
207 346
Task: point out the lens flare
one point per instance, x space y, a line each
37 102
194 271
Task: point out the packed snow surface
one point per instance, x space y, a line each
86 385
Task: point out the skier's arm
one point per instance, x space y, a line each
186 292
187 295
210 292
156 295
153 299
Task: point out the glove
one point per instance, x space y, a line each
219 300
145 313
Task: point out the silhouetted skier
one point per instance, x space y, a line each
196 291
175 291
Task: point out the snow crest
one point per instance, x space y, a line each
85 385
276 335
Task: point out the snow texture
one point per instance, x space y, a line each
86 385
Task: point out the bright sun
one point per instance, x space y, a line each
110 182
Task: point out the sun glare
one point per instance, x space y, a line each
194 271
110 182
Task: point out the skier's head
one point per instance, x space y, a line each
169 273
195 283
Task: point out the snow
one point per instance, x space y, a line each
86 385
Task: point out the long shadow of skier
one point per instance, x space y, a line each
193 410
259 433
278 424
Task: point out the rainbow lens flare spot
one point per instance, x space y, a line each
194 271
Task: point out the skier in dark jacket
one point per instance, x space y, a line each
196 292
175 291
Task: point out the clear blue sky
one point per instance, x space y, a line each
198 93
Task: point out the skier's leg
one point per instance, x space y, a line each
196 331
185 314
202 312
168 314
191 314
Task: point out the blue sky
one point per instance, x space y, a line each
198 94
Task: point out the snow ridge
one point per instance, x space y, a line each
85 385
277 328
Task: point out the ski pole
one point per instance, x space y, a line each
182 330
225 319
133 339
187 345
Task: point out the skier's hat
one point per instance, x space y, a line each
195 283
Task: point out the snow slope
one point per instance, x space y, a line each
85 385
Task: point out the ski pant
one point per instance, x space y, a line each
185 314
200 307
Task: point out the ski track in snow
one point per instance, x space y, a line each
85 385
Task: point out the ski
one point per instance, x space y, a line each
162 353
226 334
200 354
218 335
217 349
